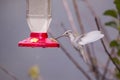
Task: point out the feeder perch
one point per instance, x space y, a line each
38 16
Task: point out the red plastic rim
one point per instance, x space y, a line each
38 40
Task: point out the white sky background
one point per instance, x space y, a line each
53 62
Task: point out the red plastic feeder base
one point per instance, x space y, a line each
38 40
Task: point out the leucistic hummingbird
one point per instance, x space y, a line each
79 41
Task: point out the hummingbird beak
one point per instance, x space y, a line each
59 37
63 35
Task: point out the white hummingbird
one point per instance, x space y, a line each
78 42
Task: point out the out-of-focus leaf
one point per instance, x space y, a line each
34 72
117 3
114 43
118 28
111 13
116 60
118 53
111 24
117 74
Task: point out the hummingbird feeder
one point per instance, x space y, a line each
38 15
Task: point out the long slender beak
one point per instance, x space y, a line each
59 37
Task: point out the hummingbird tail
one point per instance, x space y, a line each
84 55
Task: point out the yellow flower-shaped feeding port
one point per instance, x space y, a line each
34 40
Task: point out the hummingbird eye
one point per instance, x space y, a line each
67 33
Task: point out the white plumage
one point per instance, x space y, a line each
79 41
91 37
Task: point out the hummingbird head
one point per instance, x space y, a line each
67 33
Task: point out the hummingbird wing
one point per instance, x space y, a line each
91 37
